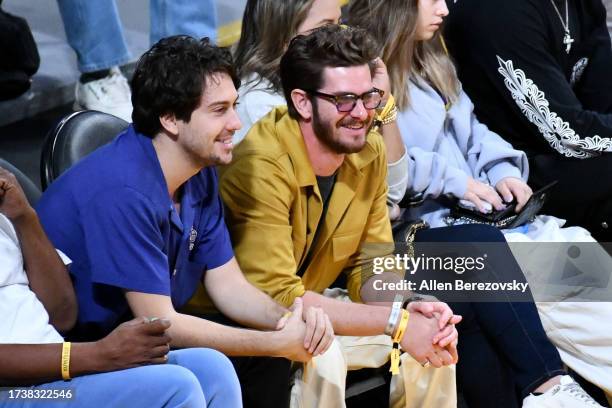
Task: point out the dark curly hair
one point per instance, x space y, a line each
171 78
302 65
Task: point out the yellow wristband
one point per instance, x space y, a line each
401 327
66 360
387 108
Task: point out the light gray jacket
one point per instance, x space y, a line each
447 147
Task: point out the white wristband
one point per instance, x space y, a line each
394 315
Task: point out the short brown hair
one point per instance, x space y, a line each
329 46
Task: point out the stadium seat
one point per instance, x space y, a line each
29 188
77 135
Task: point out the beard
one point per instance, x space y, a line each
326 133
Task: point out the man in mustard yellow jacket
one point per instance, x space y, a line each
306 201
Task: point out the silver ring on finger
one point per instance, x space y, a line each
426 364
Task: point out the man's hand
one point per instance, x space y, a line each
447 337
418 341
511 187
319 330
380 79
135 343
13 202
477 192
291 336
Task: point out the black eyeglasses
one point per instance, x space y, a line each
346 102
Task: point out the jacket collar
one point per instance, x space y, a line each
290 136
349 176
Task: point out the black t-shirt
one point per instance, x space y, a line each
326 186
513 64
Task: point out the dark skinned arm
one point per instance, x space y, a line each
132 344
46 272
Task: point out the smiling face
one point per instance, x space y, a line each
431 15
321 12
343 132
207 137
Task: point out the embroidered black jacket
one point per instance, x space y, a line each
513 64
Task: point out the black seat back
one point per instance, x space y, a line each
30 189
77 135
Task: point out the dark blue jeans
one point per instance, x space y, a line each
503 348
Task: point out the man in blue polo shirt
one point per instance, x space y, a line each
142 220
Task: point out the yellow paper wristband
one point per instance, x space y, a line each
395 361
66 360
401 327
387 108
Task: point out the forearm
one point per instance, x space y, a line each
239 300
351 319
26 364
394 144
249 306
191 331
372 296
46 272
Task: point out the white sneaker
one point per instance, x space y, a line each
568 394
110 94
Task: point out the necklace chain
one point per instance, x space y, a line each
567 38
565 23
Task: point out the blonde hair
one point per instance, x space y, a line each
393 23
267 28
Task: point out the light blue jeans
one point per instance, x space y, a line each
193 378
94 30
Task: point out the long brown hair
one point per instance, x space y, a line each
267 28
393 23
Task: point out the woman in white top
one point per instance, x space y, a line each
267 28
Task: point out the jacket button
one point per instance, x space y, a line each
174 272
604 225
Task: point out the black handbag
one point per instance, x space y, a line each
20 59
506 218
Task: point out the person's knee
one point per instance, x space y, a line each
330 366
220 364
211 368
181 385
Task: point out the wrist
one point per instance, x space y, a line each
88 358
274 340
27 217
388 113
394 315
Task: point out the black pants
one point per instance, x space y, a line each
264 380
583 195
503 349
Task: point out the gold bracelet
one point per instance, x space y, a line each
66 360
390 117
387 115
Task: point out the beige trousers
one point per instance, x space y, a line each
321 383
